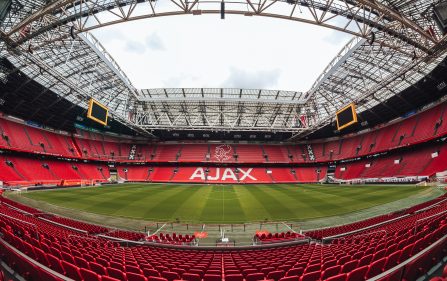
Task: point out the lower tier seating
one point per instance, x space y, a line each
419 162
332 231
41 250
266 238
20 171
29 171
234 174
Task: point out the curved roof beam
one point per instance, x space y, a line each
356 17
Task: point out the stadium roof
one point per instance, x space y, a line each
395 44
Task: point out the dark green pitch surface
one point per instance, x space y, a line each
224 203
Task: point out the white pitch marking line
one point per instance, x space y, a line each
289 227
158 230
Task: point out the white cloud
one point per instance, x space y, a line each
154 42
204 51
109 35
262 79
135 47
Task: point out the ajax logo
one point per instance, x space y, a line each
222 152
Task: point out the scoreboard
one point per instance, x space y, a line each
346 117
97 112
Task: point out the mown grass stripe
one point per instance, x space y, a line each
224 203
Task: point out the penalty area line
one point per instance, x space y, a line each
289 227
158 230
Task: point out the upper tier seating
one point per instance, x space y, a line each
98 146
421 127
193 153
249 153
21 137
167 153
420 162
276 153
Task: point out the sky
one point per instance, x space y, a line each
238 52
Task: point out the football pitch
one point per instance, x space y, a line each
224 203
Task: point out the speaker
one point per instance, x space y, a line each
440 16
72 32
222 10
372 38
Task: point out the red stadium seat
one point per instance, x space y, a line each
311 276
108 278
88 275
406 232
133 269
197 271
54 263
233 277
339 277
290 278
392 260
357 274
170 275
211 277
376 268
96 267
365 260
275 275
150 272
191 277
116 273
130 276
437 278
153 278
349 266
255 276
444 271
295 271
71 270
331 271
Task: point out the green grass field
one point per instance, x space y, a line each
223 203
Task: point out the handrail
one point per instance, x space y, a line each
13 218
65 226
82 237
369 233
362 229
34 262
401 265
430 206
17 209
120 239
416 223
